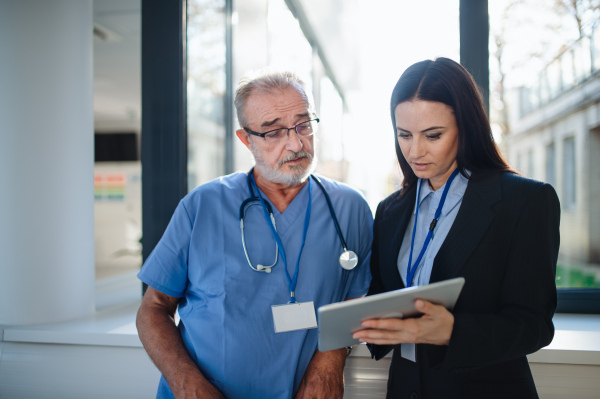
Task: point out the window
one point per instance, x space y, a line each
206 89
531 164
569 175
519 163
331 143
550 165
117 124
287 47
544 60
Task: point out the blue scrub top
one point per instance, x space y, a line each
226 319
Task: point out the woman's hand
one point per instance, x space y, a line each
433 327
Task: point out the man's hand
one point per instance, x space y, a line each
324 377
195 387
433 327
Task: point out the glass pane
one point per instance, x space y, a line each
530 164
550 164
117 166
287 48
555 82
387 38
546 65
582 63
206 25
567 72
596 49
569 173
331 139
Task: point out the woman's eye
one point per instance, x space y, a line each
434 136
403 135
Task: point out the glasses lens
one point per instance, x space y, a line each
275 135
305 128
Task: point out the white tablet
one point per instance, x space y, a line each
337 321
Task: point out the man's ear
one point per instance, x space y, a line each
244 137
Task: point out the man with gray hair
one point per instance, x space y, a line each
247 258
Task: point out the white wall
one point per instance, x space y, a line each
46 161
51 371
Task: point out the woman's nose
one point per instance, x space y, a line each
417 148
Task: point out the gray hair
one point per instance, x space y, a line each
267 81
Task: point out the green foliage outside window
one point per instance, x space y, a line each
577 276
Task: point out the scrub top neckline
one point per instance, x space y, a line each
296 209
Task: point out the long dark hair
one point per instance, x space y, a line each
448 82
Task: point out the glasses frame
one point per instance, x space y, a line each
288 130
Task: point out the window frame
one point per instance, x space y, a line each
164 106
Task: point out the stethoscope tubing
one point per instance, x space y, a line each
332 212
242 214
269 211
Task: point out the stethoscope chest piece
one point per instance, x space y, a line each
348 260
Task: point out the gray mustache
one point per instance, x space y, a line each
294 155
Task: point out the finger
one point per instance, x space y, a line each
429 308
367 334
369 323
379 336
384 324
383 338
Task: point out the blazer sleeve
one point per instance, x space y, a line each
522 322
376 283
377 351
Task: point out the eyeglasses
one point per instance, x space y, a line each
303 129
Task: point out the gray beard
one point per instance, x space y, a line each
297 175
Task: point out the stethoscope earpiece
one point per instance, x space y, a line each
261 268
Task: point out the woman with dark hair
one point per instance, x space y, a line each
498 230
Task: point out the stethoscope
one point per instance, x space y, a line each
348 259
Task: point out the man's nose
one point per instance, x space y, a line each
293 140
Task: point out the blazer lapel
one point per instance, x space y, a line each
471 223
393 226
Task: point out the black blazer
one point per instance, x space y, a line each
504 242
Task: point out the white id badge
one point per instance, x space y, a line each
294 316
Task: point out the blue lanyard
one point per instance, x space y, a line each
411 271
291 280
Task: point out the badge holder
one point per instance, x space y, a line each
294 316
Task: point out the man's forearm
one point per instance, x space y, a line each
324 376
334 360
163 343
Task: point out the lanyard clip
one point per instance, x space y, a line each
432 225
